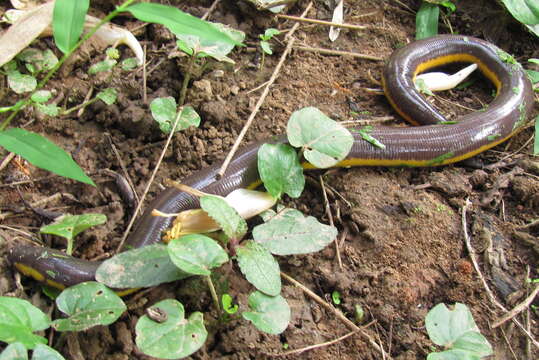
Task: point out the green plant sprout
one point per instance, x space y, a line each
457 332
265 44
228 305
336 297
164 111
428 15
69 226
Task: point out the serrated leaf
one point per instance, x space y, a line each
178 22
325 142
41 96
19 319
15 351
196 254
42 153
69 226
270 314
174 338
151 263
21 83
88 304
290 232
108 96
44 352
105 65
280 170
426 21
233 225
68 21
259 267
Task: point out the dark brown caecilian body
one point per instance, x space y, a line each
428 145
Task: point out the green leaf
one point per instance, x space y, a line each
533 75
290 232
108 96
233 225
21 83
536 136
534 61
525 11
112 53
270 32
68 21
280 170
215 49
336 297
69 226
41 96
164 112
270 314
48 109
174 338
324 141
42 153
105 65
456 330
266 47
88 304
426 21
259 267
44 352
15 351
188 117
365 133
49 60
453 354
129 63
448 4
227 301
179 22
19 319
151 263
196 254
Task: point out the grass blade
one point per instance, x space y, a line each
68 21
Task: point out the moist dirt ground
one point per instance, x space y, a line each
401 239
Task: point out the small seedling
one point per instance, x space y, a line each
336 297
165 112
228 304
265 44
359 313
69 226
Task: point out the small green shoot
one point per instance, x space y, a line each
323 141
88 304
365 133
228 304
265 43
280 170
69 226
108 96
164 112
174 338
422 87
270 314
457 332
359 314
152 264
19 319
336 297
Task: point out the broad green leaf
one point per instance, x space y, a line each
426 21
188 117
178 22
41 96
129 63
105 65
14 351
164 112
536 140
108 96
204 47
290 232
266 47
227 302
49 60
456 330
525 11
21 83
196 254
270 314
30 55
324 141
270 32
174 338
48 109
533 75
88 304
69 226
42 153
453 354
233 225
44 352
151 264
259 267
280 170
19 319
68 21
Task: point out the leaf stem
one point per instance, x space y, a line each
213 292
79 106
187 78
18 106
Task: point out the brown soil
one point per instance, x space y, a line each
403 250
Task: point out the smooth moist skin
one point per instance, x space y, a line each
431 144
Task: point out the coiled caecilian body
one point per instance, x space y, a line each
433 143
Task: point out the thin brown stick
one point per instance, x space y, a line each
517 309
144 79
338 53
7 160
317 346
335 311
122 166
210 10
322 22
330 216
150 182
262 97
490 294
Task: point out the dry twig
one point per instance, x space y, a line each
517 309
338 53
322 22
330 216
